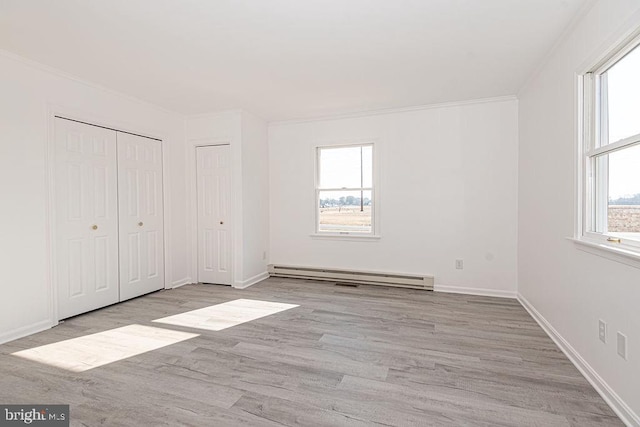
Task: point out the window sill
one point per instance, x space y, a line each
352 237
620 255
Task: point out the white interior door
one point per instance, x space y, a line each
86 217
213 170
140 208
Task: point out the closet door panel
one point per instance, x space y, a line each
213 171
86 217
141 215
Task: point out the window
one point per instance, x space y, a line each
345 190
611 151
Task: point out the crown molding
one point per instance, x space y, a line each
568 30
63 74
385 111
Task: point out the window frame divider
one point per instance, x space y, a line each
613 147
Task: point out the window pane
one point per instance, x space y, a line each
341 167
623 97
367 166
345 211
623 210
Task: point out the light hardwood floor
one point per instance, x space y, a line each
344 356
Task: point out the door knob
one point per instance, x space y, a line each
94 227
221 222
140 224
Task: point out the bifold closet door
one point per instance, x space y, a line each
86 217
213 170
140 208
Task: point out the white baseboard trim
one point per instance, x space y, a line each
25 330
618 405
251 281
475 291
181 282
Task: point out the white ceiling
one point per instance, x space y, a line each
286 59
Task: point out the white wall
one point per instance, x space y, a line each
247 136
255 196
448 182
28 92
570 288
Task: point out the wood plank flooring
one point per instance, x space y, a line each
345 356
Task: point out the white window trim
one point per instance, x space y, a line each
347 237
375 194
616 254
588 127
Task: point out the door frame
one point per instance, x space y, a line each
192 165
53 111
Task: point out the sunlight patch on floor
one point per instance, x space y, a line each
225 315
90 351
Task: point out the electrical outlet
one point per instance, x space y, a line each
602 330
459 264
622 345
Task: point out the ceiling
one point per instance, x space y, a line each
285 59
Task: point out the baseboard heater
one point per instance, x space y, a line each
352 276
